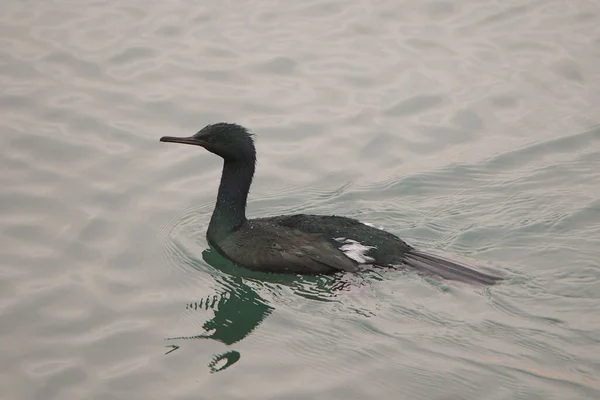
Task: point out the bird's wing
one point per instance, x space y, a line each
278 249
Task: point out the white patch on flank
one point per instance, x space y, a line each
355 250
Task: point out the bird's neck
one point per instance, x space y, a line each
230 210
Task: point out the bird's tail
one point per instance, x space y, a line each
447 269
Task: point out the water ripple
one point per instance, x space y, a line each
466 128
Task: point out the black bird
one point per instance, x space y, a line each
301 243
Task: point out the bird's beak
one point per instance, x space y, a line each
184 140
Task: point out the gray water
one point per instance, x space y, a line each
469 128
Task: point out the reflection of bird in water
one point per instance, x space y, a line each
239 309
235 316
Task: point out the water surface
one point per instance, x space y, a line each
468 128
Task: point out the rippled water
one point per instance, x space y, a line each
468 128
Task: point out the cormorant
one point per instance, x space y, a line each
300 243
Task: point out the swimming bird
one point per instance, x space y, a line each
299 243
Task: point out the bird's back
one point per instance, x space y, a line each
386 247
